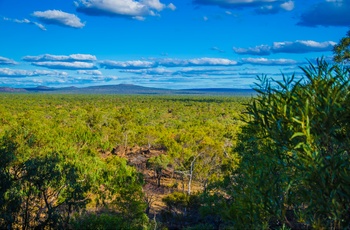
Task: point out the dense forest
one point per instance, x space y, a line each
67 160
278 160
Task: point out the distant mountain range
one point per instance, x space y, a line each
128 89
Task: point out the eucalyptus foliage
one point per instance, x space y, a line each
342 50
294 149
59 167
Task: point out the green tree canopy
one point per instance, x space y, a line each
342 49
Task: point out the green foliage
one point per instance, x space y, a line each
342 50
122 191
40 191
158 164
181 210
99 222
294 169
59 146
106 221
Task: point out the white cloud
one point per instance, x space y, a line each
65 65
127 64
171 6
185 72
112 7
152 71
83 57
139 18
25 21
40 26
89 72
154 4
270 62
68 58
21 21
212 62
171 62
261 6
127 8
190 71
298 46
302 46
168 62
288 6
7 61
6 72
258 50
58 17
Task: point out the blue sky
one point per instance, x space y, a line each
164 43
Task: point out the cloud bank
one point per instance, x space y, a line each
89 72
58 17
123 8
84 69
69 62
269 62
76 65
127 64
154 71
299 46
62 58
205 61
17 73
167 62
327 13
260 6
7 61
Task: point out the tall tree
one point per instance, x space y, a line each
158 164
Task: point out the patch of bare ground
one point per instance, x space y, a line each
138 156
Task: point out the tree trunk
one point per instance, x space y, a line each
159 176
125 142
191 175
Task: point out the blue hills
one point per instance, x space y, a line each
129 89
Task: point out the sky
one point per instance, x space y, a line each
174 44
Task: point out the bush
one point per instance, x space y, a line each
98 222
181 210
